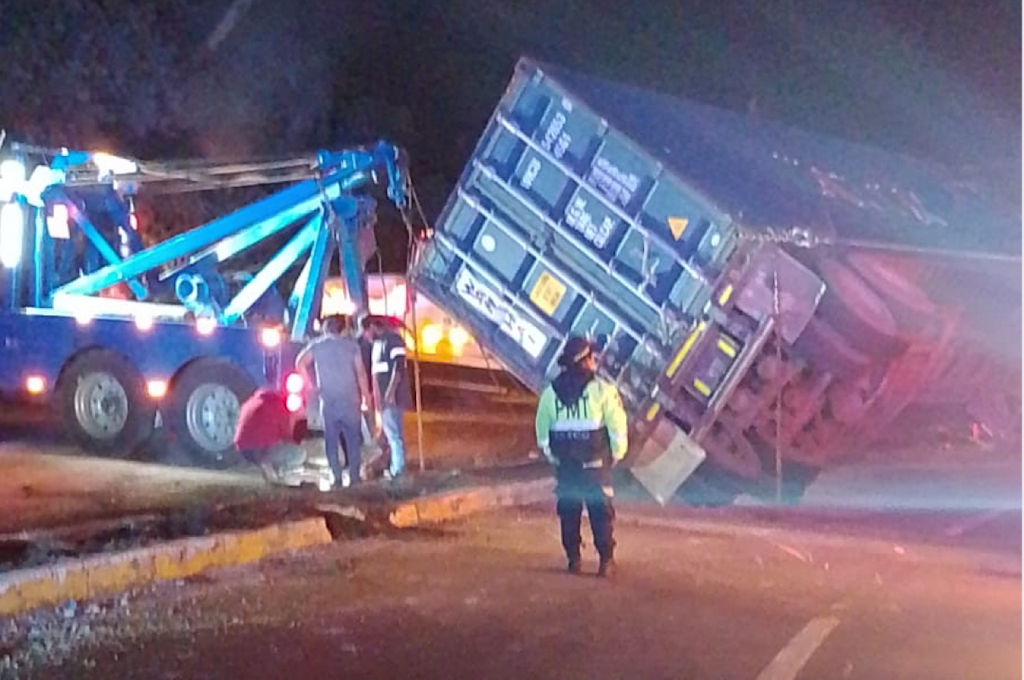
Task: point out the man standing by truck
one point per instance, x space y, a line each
333 362
581 428
391 383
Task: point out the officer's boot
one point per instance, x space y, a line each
607 568
569 512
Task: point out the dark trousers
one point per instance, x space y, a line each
350 435
574 491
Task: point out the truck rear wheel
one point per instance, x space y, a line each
104 405
911 306
827 351
203 410
853 309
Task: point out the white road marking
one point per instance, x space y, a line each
972 523
798 651
793 552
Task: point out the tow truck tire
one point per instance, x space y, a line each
202 410
103 403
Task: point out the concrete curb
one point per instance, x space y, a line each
455 504
903 550
102 575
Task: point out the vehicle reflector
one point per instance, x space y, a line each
156 389
270 337
35 384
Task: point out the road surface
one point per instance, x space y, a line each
488 599
44 480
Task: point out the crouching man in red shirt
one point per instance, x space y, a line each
269 435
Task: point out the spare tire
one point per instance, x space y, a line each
853 309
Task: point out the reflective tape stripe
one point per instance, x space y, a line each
397 352
727 349
724 297
687 346
379 367
576 425
593 464
653 411
702 387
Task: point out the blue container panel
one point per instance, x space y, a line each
561 224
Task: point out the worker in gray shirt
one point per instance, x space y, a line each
333 362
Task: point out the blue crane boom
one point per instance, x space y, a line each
67 240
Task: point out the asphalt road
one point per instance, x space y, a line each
488 599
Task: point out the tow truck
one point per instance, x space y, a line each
120 338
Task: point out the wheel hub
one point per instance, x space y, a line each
211 414
101 405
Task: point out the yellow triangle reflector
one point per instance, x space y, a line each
678 225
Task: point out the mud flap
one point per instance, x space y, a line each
663 475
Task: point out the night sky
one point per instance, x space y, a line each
939 79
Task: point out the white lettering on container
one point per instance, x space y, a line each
532 170
488 303
556 140
618 186
577 217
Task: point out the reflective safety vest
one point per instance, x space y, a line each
590 433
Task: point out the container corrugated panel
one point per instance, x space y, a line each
596 208
562 224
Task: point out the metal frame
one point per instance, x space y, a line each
331 217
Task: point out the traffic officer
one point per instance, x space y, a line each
581 428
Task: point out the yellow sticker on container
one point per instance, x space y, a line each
547 293
677 225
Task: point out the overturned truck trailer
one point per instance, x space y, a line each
756 289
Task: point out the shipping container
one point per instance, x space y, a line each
704 252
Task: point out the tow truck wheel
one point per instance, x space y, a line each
203 408
104 405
